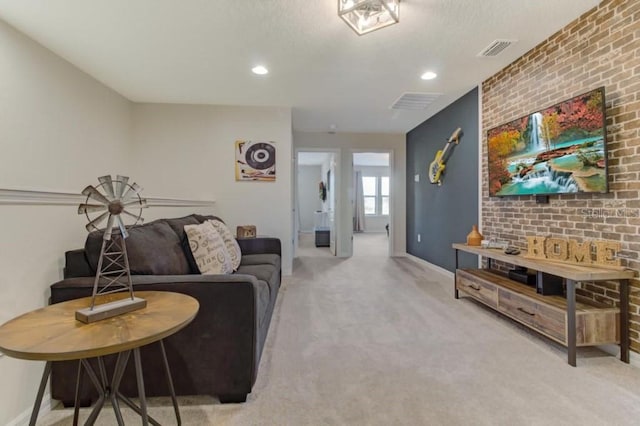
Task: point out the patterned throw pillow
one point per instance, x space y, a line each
208 249
233 248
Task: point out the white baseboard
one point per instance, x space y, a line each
634 358
430 265
25 416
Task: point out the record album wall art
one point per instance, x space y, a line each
256 161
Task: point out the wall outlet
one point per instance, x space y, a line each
417 178
418 237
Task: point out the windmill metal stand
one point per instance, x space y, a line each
113 264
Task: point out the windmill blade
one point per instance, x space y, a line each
93 225
123 229
121 184
107 184
109 229
90 208
134 189
94 194
140 203
139 219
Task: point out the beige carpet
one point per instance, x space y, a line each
364 244
380 341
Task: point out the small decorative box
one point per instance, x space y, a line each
246 231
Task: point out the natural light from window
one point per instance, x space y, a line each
384 194
370 191
376 195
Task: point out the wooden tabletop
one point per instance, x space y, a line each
53 334
569 271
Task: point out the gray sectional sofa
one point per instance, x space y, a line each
217 354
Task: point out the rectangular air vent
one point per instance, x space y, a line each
496 47
415 101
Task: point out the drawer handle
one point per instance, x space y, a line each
476 288
526 312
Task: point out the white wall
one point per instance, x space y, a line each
187 151
348 143
309 200
374 223
59 130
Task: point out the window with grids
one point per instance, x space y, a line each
376 195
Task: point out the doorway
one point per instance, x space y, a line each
372 210
316 204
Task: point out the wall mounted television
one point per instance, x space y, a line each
560 149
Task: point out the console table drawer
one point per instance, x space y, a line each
551 322
476 287
517 307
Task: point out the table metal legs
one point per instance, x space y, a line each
102 389
141 394
571 322
170 383
121 363
43 385
455 278
111 390
624 321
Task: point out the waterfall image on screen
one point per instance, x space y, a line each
561 149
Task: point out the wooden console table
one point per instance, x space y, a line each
553 316
53 334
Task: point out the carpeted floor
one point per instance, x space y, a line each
373 340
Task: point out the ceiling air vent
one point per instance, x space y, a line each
415 101
495 48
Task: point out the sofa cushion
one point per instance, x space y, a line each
178 224
152 249
261 259
261 272
233 249
264 297
208 249
268 273
204 218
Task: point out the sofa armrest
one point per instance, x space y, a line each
260 245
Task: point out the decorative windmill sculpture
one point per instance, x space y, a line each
110 200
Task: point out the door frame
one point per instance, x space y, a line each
337 191
392 195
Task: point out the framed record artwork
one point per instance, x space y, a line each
255 161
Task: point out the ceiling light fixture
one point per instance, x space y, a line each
260 70
429 75
364 16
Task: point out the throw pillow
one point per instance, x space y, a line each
233 248
208 249
152 249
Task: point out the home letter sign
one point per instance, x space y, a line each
571 251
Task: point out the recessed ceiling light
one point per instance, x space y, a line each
260 70
429 75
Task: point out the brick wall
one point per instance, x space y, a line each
600 48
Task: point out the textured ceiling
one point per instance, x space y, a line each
201 51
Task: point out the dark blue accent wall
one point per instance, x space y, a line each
444 214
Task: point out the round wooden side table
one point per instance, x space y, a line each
53 334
